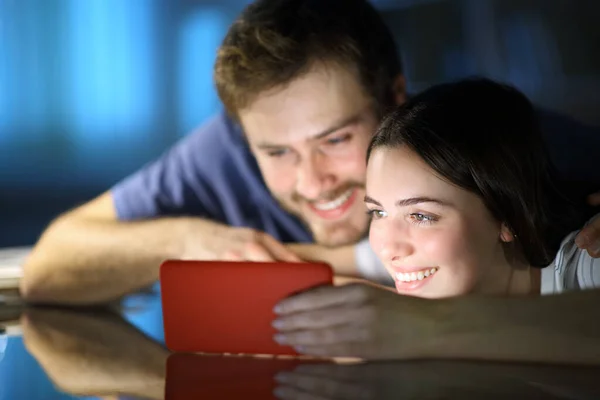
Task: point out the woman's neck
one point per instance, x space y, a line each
524 281
510 275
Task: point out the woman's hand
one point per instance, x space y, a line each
589 237
356 320
436 380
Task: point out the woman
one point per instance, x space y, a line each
464 202
464 199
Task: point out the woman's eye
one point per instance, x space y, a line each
420 218
376 214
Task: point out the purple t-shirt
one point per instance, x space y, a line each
210 173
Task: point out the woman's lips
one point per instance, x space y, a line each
410 279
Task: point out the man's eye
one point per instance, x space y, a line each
277 153
338 139
376 214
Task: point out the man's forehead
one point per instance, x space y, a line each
306 107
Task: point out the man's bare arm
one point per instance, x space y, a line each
95 354
88 256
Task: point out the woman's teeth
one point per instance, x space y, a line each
335 203
415 276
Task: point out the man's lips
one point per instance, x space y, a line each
335 208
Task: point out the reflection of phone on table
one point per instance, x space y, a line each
227 307
192 376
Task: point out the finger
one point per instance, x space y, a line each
278 250
326 318
594 199
336 371
321 337
324 386
232 255
589 238
324 297
348 349
291 393
257 253
594 252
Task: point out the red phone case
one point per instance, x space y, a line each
227 307
191 376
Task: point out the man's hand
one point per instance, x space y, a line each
341 259
589 237
212 241
356 320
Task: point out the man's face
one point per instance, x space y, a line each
310 140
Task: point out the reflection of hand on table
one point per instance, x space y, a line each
94 354
437 380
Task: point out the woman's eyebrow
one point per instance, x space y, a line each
372 201
410 201
421 199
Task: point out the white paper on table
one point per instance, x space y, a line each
11 262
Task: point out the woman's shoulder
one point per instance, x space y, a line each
573 269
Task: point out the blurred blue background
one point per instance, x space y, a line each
90 90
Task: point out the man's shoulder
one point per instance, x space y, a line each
216 142
217 132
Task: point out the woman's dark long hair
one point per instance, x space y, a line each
485 137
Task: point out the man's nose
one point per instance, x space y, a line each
313 177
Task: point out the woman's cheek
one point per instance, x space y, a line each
443 246
377 242
450 250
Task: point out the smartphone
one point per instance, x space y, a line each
227 307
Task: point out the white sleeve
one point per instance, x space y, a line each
368 264
572 269
588 267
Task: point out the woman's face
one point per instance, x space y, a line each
434 238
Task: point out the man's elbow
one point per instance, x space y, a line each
41 281
34 286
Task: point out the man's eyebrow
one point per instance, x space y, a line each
347 122
410 201
344 123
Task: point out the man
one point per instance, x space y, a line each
308 80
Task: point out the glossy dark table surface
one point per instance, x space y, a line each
116 353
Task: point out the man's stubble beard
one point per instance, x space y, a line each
329 226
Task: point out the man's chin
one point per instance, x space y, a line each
331 233
338 237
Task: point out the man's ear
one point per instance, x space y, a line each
506 235
399 89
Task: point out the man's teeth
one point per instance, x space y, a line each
415 276
335 203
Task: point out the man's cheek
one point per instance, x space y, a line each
279 182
